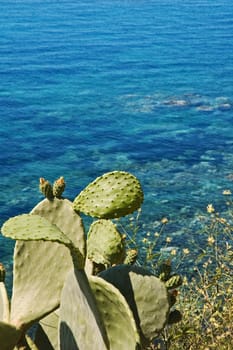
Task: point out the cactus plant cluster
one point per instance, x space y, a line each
73 305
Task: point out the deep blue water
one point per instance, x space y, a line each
141 86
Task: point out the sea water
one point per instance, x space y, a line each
87 87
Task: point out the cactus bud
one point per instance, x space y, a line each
59 187
2 273
46 189
165 270
174 282
131 257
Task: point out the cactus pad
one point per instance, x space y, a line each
80 325
60 212
116 315
46 336
111 195
4 301
105 244
30 343
146 295
4 304
27 227
40 267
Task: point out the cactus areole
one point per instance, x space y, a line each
111 195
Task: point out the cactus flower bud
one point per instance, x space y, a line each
46 188
131 257
58 187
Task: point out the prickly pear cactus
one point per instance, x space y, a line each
80 324
30 343
111 195
4 302
40 267
33 227
46 336
146 295
116 315
103 313
60 213
105 245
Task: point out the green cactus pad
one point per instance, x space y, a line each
46 336
40 267
111 195
4 304
116 315
80 325
60 212
104 243
27 227
146 295
30 343
32 227
9 336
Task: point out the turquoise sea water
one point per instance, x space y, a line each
93 86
